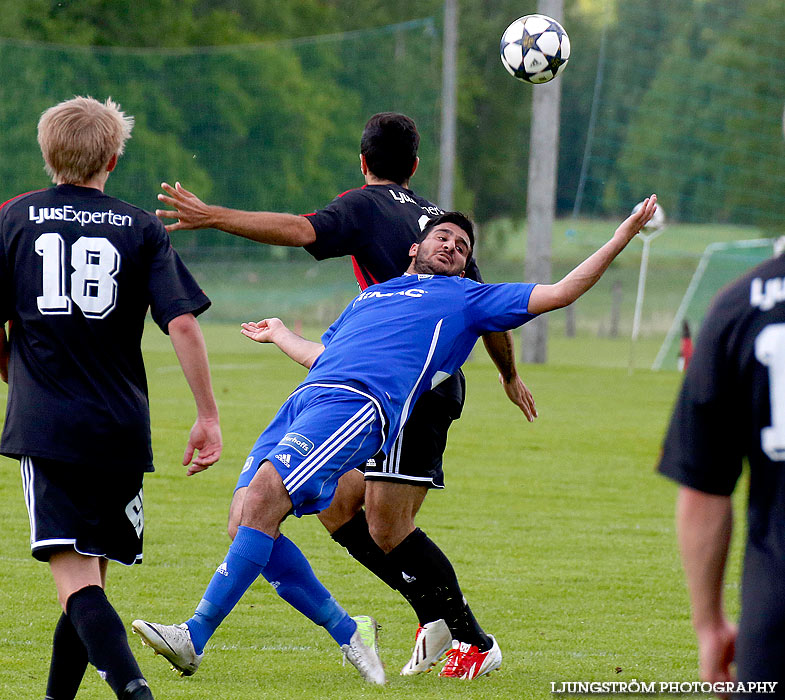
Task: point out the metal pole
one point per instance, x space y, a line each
636 319
541 194
449 105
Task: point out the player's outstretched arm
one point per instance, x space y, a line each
204 442
260 226
704 522
547 297
501 348
273 330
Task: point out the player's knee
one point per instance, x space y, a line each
339 513
388 533
266 501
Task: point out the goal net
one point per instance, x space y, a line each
720 264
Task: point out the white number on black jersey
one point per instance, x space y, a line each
770 351
95 262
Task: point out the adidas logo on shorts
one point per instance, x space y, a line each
284 459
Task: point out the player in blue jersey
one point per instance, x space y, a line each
78 271
376 225
348 408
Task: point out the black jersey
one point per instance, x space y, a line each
376 225
732 405
78 271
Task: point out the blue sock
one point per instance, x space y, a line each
293 580
244 562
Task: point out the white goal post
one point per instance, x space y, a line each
767 246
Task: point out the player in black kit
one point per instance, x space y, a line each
376 225
732 407
78 271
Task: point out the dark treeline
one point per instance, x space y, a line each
267 111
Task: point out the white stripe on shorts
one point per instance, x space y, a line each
335 448
393 464
347 387
26 466
333 444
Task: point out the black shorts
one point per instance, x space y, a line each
94 510
416 456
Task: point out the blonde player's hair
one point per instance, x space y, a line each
78 137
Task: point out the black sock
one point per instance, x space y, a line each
427 577
69 662
356 539
103 635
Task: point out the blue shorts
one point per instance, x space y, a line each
320 433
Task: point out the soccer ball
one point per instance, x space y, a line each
535 49
657 221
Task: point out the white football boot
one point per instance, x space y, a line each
432 640
173 642
362 651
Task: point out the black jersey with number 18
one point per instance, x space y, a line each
78 271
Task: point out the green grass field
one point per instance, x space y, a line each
561 533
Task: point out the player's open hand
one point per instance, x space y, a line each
520 395
637 220
263 331
190 211
204 445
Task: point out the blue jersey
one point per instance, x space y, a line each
401 338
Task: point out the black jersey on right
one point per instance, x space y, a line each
78 271
376 225
732 404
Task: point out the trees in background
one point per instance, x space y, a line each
268 116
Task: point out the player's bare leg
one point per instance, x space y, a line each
236 511
80 582
390 510
345 520
260 548
347 502
426 576
73 571
266 502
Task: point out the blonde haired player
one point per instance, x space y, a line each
78 271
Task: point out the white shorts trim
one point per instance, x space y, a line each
347 387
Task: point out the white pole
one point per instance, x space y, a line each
636 319
541 194
647 238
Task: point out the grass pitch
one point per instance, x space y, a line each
560 531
